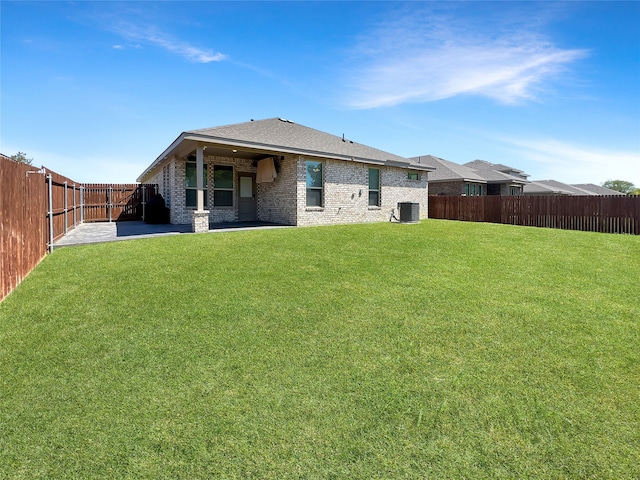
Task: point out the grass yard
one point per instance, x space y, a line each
437 350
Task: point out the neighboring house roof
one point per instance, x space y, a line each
483 165
594 189
276 136
552 187
446 171
494 176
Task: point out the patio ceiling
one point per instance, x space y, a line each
188 146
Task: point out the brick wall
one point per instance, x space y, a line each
346 192
447 188
277 200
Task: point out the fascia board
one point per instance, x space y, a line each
410 166
421 168
474 180
508 182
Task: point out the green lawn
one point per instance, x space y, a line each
437 350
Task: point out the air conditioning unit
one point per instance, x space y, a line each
409 212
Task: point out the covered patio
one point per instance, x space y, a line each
131 230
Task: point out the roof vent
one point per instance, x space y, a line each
284 120
345 140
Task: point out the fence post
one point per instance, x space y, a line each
75 216
50 212
81 203
65 207
109 204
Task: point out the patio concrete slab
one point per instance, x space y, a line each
116 231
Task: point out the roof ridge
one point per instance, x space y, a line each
233 124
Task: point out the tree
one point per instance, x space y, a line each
619 186
22 158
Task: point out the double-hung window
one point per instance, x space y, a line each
374 187
191 185
222 186
314 184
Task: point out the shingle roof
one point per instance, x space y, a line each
596 189
494 176
552 187
446 170
451 171
277 135
281 134
484 165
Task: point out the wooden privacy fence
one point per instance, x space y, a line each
106 202
72 203
607 214
64 204
39 206
23 232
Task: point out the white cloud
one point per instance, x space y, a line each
423 58
151 36
577 163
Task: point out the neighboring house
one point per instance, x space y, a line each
451 178
481 165
593 189
553 187
277 171
549 187
473 178
501 179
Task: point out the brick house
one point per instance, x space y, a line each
554 187
277 171
472 179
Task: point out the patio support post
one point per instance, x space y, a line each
199 176
200 221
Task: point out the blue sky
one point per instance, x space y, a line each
97 90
